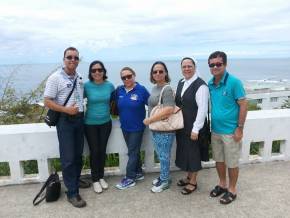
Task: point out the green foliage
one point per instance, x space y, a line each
17 108
55 164
30 167
4 169
253 106
112 160
286 104
255 147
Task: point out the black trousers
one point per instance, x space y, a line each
97 137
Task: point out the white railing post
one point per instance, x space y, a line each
16 171
43 169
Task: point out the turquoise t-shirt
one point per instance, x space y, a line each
224 107
98 102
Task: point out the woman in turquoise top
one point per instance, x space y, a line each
98 123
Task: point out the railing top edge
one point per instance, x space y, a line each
264 114
34 127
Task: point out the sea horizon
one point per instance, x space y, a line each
254 72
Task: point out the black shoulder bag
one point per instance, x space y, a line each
52 116
114 102
52 186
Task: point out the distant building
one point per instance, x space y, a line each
267 98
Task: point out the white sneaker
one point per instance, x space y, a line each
155 181
104 184
97 187
160 186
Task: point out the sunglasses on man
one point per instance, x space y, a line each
76 58
215 65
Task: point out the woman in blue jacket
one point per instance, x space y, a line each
131 99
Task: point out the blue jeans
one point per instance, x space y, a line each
163 143
133 141
70 134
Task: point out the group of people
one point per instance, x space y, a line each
228 114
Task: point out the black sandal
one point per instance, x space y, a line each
217 191
227 198
182 182
187 191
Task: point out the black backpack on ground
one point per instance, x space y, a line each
52 186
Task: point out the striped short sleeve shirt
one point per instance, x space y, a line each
59 85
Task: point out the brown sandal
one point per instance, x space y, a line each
182 182
187 191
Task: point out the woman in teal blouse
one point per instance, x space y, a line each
98 123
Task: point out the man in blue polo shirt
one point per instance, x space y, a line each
228 115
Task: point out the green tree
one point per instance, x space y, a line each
286 104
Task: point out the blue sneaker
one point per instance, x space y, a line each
139 176
125 183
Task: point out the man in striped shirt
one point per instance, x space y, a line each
70 125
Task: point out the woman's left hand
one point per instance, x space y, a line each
146 121
194 136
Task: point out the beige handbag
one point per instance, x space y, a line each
171 123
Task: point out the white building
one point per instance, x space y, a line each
269 98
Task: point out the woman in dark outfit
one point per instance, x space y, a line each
192 96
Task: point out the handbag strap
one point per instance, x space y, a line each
68 97
162 90
35 201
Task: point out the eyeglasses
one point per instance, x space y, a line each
99 70
215 65
76 58
158 71
127 77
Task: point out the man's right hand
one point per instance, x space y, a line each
71 110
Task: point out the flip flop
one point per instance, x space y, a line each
217 191
228 198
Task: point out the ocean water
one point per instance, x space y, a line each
254 73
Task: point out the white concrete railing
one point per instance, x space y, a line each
38 142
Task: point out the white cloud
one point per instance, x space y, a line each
160 28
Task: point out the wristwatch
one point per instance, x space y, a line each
241 125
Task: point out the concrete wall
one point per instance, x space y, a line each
39 142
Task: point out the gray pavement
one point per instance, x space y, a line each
263 192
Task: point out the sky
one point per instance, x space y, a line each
38 31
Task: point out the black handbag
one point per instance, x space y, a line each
114 102
52 186
52 117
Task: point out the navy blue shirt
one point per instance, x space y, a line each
131 106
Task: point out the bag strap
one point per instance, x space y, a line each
68 97
35 201
162 90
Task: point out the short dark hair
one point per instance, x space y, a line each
103 67
187 58
217 54
69 49
128 68
167 78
